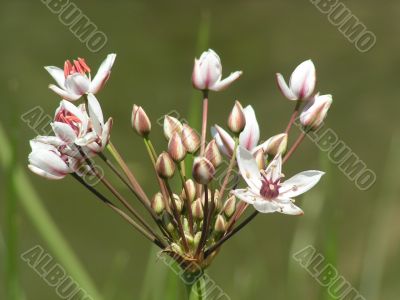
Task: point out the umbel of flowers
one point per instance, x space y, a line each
234 177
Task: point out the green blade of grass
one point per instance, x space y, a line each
31 203
384 219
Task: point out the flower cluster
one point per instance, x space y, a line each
196 218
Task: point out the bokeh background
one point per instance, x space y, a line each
156 41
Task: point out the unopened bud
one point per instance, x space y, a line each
197 210
175 148
171 125
220 224
259 156
237 119
168 223
190 139
189 239
165 166
203 170
275 145
230 207
212 153
178 203
197 238
191 189
203 196
176 248
315 112
217 200
158 204
140 121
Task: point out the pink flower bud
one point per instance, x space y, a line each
203 170
275 145
190 139
165 166
158 204
191 188
197 210
237 119
220 224
140 121
171 125
259 156
212 153
315 112
175 148
230 207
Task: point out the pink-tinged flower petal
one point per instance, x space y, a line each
102 74
315 112
300 183
63 93
274 169
283 87
224 139
64 132
57 74
96 114
251 133
46 143
225 83
287 207
303 80
249 169
47 164
77 84
197 79
86 139
74 110
265 206
245 195
210 68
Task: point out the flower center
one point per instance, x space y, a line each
73 121
78 66
269 188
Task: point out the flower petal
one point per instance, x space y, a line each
287 207
283 87
303 79
245 195
251 133
197 78
63 93
77 84
223 84
265 206
102 74
49 162
64 132
225 139
96 114
45 174
300 183
57 74
249 169
274 169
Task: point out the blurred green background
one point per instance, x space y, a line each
155 42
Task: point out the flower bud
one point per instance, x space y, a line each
189 239
237 119
259 156
315 112
220 224
203 196
276 144
178 203
140 121
171 125
212 153
217 200
197 238
203 170
165 166
158 204
175 148
197 210
167 220
191 188
176 248
230 207
190 139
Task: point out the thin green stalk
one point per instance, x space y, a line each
187 200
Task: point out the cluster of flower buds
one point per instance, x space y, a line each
196 218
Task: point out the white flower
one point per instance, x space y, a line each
315 112
302 82
75 80
46 161
248 138
265 190
207 73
